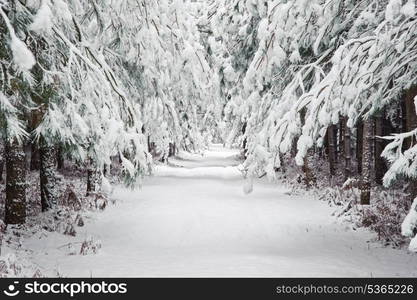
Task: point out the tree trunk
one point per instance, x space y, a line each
309 178
359 146
34 157
411 124
245 141
410 113
150 146
341 140
93 178
36 119
60 157
1 161
171 150
335 142
15 210
332 149
347 150
380 166
366 162
47 157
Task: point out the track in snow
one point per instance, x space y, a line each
194 220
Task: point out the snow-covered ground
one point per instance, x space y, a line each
193 219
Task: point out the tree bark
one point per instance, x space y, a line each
34 157
60 157
341 140
411 124
366 163
47 157
359 146
93 178
335 139
347 150
332 149
1 161
410 114
309 178
380 166
36 119
245 141
15 210
172 150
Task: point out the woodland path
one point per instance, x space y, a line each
193 219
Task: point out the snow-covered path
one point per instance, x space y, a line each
195 220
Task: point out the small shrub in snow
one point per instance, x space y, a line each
70 230
90 246
70 198
79 221
70 249
10 266
351 183
100 201
37 274
385 216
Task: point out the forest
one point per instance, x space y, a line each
102 97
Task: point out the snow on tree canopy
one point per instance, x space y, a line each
42 22
22 56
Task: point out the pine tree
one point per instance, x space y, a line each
15 208
47 157
2 156
365 186
16 60
347 150
380 167
332 140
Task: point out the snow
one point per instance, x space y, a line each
22 56
410 223
413 244
192 219
393 10
42 22
409 9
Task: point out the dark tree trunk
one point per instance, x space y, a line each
410 114
150 146
326 145
36 119
60 158
341 140
335 136
245 141
410 124
172 150
34 157
380 166
47 156
15 210
309 178
2 159
93 178
332 149
359 146
347 150
366 163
